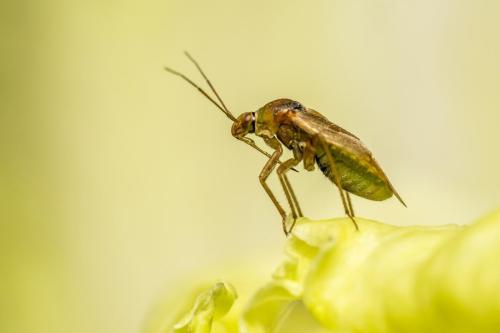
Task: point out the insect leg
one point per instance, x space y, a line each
252 144
294 197
287 188
309 156
285 183
349 203
333 167
266 171
289 192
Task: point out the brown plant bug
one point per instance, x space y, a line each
313 139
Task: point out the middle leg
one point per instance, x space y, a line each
287 188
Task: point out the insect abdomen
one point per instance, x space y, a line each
355 177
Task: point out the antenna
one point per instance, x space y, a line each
220 106
170 70
228 113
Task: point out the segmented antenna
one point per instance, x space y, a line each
227 112
188 80
220 106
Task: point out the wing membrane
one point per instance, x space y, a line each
340 141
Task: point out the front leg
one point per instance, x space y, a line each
266 171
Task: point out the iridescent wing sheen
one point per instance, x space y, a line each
341 142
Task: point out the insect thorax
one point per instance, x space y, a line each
290 135
265 123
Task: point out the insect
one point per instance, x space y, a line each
313 140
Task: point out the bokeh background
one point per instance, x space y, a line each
118 182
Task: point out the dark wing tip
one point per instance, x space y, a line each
399 197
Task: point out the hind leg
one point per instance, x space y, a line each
346 201
349 203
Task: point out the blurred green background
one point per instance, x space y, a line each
118 181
